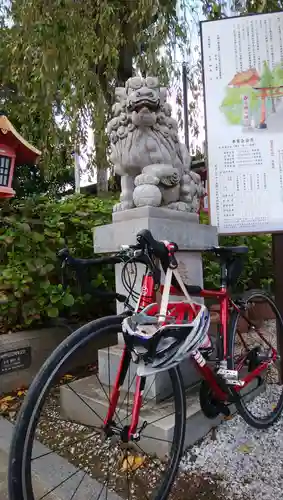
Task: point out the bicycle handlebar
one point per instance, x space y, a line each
64 255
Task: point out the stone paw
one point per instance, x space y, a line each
123 205
147 195
181 206
146 179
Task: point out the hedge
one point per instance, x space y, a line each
32 231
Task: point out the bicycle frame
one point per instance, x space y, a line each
148 295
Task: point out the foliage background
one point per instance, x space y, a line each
60 61
32 231
58 70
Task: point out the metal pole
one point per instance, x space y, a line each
185 105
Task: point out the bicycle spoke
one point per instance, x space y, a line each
155 438
73 495
146 454
107 398
61 483
144 397
63 447
90 408
108 356
128 479
108 460
103 486
161 418
69 421
123 401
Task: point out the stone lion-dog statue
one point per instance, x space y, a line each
155 168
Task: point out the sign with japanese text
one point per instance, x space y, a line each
243 90
19 359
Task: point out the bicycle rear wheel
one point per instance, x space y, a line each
43 433
252 343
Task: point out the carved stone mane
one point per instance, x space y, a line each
146 152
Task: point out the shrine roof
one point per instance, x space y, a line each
248 77
25 152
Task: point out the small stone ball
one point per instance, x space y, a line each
147 194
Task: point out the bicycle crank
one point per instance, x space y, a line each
210 406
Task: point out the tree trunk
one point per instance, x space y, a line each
102 181
100 140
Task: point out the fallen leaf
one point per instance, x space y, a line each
21 393
132 463
3 408
227 417
6 399
245 448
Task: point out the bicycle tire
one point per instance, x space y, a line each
19 471
258 423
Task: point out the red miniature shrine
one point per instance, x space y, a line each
14 150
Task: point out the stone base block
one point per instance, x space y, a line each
157 386
42 343
158 433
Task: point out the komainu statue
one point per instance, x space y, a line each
155 168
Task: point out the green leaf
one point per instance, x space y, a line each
68 300
44 284
55 298
37 236
49 267
52 312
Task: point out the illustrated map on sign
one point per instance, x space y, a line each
254 99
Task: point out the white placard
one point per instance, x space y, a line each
243 87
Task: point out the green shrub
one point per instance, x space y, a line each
31 232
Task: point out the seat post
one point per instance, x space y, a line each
223 273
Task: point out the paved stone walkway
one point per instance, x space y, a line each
3 476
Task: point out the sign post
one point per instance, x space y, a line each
277 252
243 90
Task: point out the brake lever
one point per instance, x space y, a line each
172 248
63 274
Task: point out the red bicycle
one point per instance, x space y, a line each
158 336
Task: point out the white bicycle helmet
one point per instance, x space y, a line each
157 348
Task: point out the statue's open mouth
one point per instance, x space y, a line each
143 104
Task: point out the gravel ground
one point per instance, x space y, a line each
235 461
248 460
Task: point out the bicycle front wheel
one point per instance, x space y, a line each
100 462
253 341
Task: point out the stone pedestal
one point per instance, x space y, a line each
165 224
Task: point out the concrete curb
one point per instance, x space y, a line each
51 470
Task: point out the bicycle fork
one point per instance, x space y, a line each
130 433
